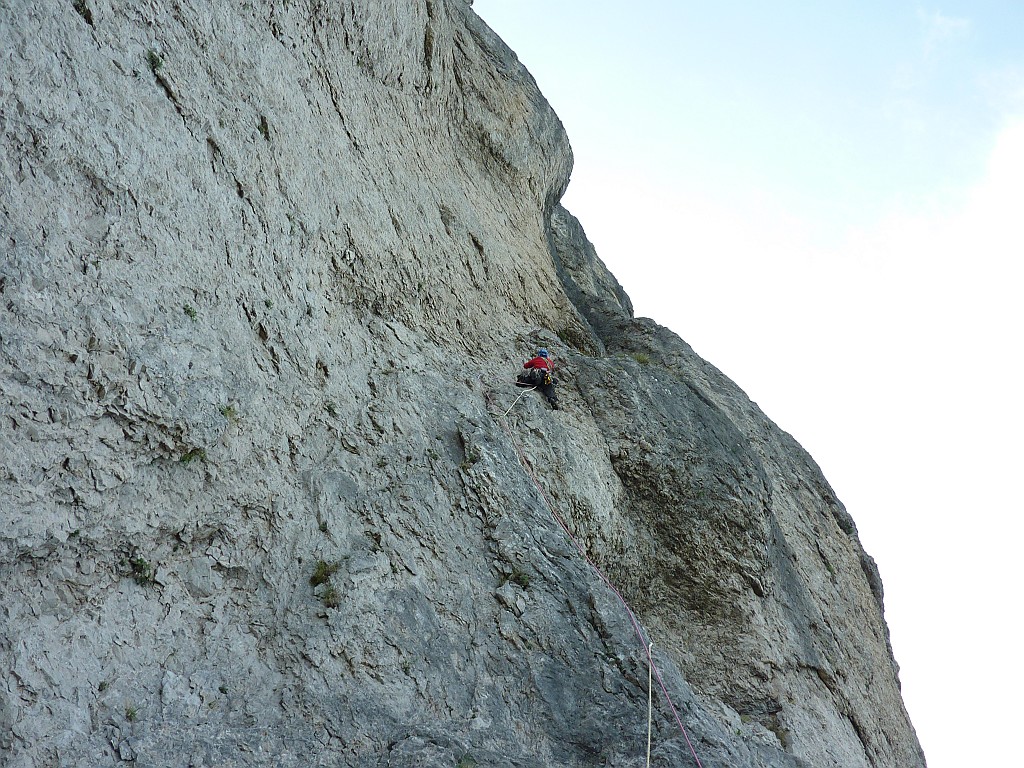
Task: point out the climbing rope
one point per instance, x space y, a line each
516 401
650 701
653 670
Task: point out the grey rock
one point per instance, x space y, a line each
267 272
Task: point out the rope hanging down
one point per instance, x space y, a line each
650 702
637 629
506 413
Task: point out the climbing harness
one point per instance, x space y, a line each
652 668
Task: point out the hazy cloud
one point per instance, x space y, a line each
940 30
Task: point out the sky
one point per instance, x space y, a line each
825 200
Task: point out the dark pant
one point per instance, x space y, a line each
536 378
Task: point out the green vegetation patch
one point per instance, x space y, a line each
322 573
196 454
142 571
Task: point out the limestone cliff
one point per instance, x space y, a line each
267 271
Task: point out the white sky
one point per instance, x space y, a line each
826 200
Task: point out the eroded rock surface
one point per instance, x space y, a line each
267 271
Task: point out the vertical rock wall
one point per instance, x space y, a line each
266 272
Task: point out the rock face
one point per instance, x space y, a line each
267 272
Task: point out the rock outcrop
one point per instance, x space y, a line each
267 271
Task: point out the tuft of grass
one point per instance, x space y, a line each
321 577
131 713
520 578
155 61
142 571
642 357
195 454
229 412
472 457
189 310
467 761
330 597
322 573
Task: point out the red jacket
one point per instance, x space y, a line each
541 363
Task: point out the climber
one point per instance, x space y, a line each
538 374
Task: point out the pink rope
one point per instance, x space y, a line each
629 611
